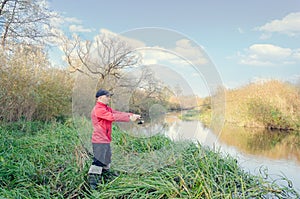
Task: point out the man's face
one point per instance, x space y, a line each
104 99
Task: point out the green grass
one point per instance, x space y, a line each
46 160
39 161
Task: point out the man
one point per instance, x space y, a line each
102 117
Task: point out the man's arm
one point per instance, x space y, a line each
117 116
124 116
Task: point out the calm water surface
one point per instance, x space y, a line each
256 150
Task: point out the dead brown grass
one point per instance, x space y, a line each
271 104
32 90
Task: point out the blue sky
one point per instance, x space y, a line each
245 40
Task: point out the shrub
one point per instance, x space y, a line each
270 104
267 114
30 89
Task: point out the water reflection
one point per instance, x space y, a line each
262 142
278 152
252 141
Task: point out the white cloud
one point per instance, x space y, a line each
134 43
194 54
157 55
270 50
289 25
106 31
269 55
183 53
74 24
72 20
78 28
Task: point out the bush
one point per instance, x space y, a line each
30 89
270 116
269 104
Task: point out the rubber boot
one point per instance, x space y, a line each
94 176
94 180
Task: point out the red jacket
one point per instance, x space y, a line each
102 117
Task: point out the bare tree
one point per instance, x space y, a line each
24 21
104 58
140 89
111 62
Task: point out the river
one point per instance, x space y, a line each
256 150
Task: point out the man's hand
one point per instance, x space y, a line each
134 117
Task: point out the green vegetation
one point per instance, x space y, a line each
46 160
40 161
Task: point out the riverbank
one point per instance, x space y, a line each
270 104
48 161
